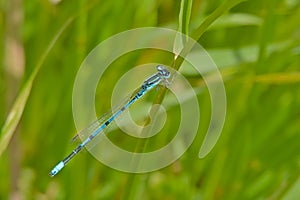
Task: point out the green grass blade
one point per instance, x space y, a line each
183 25
198 32
17 109
184 16
209 140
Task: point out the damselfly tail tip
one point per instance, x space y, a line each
51 174
56 169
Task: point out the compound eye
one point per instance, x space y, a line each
167 74
159 68
163 71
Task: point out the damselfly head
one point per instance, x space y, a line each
163 71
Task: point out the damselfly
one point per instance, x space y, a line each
160 77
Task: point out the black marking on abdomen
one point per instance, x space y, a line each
72 154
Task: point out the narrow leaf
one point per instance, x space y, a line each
183 27
210 139
185 15
17 109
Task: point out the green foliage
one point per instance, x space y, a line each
255 44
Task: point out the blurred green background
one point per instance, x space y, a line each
256 44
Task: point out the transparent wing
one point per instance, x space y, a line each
95 125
